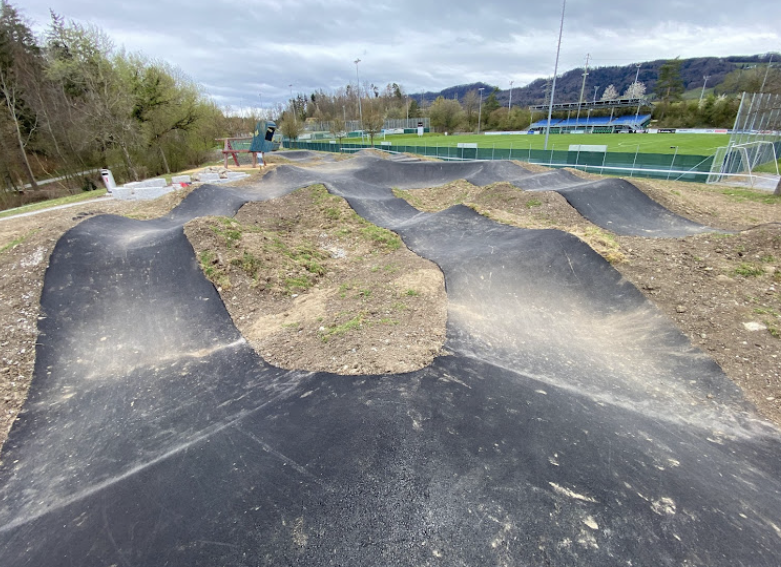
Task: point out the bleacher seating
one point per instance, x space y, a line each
594 123
630 120
544 123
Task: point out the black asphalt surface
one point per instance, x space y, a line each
570 424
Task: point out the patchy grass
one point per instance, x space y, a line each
17 241
603 242
385 239
343 328
743 195
70 199
749 270
211 268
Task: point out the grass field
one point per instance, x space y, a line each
688 144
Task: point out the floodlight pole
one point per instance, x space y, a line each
555 72
704 84
637 76
762 88
582 88
480 110
510 104
360 108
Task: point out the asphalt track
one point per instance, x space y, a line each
571 423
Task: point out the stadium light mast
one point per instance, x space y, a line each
582 88
637 76
704 84
480 109
360 109
767 70
510 104
555 72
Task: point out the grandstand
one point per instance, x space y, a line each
594 124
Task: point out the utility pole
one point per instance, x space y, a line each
360 108
704 84
634 92
480 111
582 87
292 103
770 64
555 72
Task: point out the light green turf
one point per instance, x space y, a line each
86 196
688 144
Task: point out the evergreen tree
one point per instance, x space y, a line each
669 86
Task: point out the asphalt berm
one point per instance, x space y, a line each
564 426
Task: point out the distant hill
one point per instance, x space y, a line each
568 85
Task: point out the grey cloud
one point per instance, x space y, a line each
235 49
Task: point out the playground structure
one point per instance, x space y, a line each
260 142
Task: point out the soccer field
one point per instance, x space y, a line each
687 144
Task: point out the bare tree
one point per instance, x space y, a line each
19 70
338 127
373 117
470 106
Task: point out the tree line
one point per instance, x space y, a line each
71 102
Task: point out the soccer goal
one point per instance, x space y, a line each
754 146
744 164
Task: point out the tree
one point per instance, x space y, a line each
489 106
338 127
610 93
289 125
414 109
669 86
635 90
471 106
445 114
163 104
97 85
20 65
373 117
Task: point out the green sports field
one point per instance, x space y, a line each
688 144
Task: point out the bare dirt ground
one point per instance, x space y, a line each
313 286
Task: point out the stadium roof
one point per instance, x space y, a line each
618 103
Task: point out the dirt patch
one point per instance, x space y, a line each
313 286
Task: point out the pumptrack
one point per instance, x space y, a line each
570 424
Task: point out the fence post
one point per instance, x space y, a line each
632 173
511 151
493 149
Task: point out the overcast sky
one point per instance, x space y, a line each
249 51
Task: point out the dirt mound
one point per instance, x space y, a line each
312 286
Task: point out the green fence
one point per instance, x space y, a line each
659 166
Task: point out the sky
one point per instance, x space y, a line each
248 53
